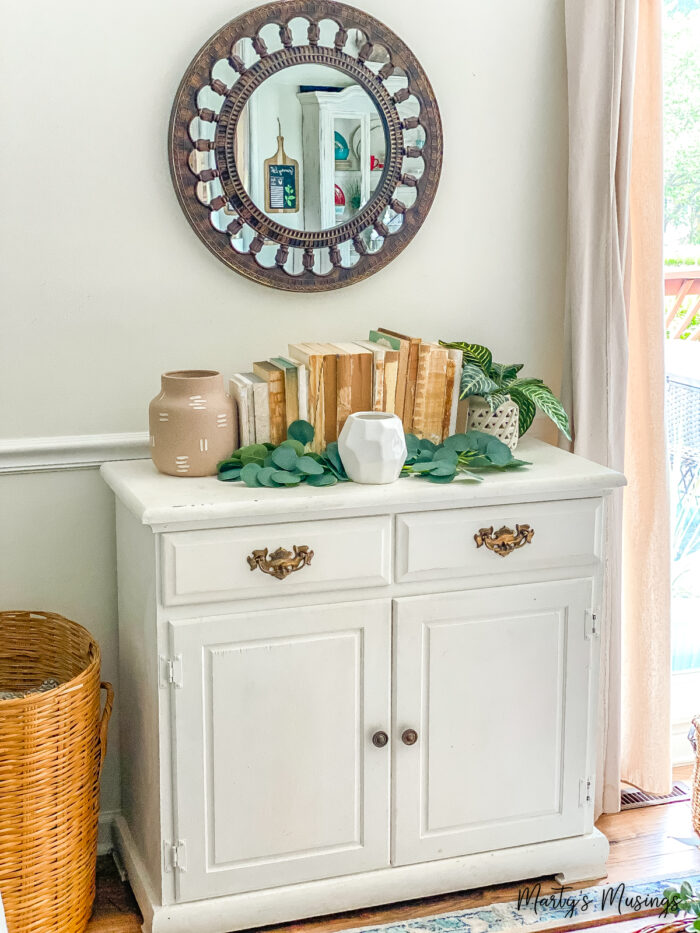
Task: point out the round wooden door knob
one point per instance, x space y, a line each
380 739
409 737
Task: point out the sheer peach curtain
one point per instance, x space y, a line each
613 380
646 592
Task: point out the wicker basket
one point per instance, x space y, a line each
695 798
51 750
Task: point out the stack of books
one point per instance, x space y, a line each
323 383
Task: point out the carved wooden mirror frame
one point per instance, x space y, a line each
188 148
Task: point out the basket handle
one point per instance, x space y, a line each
104 721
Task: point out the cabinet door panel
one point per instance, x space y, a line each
495 682
277 780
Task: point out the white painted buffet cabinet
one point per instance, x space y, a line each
335 698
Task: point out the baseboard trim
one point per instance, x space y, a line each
82 452
105 836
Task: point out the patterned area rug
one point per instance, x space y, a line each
565 909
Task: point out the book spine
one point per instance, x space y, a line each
291 394
451 375
378 382
243 402
401 377
411 377
421 400
303 384
436 395
316 418
330 397
344 387
262 413
456 357
364 360
391 368
277 406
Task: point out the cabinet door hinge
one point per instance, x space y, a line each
175 856
585 791
591 628
171 671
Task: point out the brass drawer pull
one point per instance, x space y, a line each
409 737
380 739
281 562
504 541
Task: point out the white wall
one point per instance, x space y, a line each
104 285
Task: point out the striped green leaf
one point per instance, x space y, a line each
542 396
475 381
472 353
504 373
527 410
496 399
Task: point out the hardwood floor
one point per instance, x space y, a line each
644 843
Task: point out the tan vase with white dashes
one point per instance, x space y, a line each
192 423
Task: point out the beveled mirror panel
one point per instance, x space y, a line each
305 145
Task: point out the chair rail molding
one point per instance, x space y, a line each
66 452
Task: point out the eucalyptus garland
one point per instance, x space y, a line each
291 462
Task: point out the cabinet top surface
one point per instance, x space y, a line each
159 500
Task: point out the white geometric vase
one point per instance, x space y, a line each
502 423
372 447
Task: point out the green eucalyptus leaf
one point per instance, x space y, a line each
412 443
232 463
253 453
474 459
285 478
309 466
477 440
457 442
296 446
425 456
301 431
322 479
425 466
445 453
440 477
269 446
498 452
465 474
425 443
230 474
249 474
474 381
285 458
333 458
443 468
264 476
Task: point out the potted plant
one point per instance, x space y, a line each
500 401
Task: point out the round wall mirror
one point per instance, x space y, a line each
305 145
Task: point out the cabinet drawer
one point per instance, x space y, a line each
213 565
439 545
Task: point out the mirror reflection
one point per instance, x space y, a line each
310 147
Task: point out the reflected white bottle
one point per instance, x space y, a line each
372 447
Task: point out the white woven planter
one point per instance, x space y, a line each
502 423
